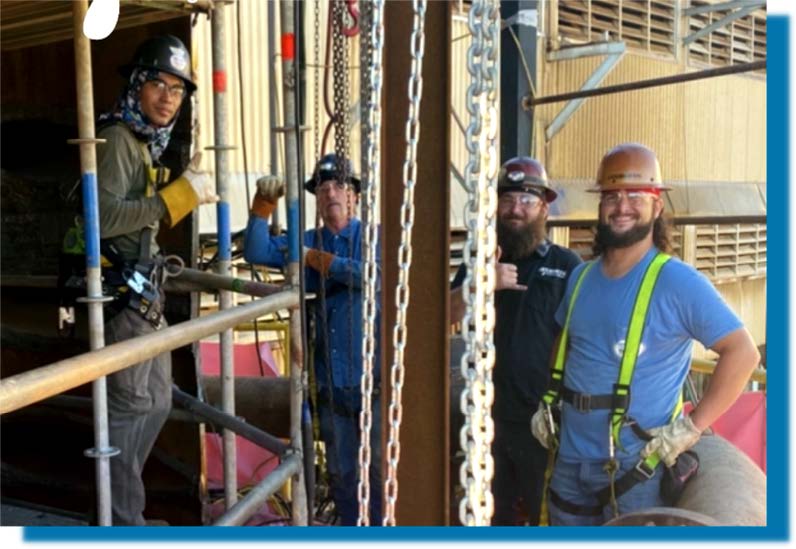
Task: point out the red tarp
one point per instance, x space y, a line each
744 425
253 462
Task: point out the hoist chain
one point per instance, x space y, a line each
477 505
416 47
340 72
373 42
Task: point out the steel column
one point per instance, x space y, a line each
425 393
294 232
88 165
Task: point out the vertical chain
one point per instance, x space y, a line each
374 25
477 505
416 48
340 71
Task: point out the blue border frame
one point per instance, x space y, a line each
778 409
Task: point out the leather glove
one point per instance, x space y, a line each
539 427
318 260
269 189
672 440
188 191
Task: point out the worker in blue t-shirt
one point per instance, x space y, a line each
334 268
684 306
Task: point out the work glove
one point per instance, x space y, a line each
539 426
319 260
671 440
188 191
270 189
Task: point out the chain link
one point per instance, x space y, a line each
416 47
480 174
373 42
340 74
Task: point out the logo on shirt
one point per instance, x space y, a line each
557 273
619 348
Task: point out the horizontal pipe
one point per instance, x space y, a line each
530 102
221 419
702 366
213 281
35 385
204 6
239 513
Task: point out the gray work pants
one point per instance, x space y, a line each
139 400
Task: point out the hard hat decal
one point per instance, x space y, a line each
516 176
178 59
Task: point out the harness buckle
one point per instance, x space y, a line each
646 471
581 402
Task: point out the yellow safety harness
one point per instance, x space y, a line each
618 402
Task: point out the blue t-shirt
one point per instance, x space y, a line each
343 307
684 306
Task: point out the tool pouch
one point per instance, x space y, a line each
675 478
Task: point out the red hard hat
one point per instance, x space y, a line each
525 174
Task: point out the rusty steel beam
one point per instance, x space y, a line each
423 470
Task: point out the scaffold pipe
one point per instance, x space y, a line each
34 385
252 502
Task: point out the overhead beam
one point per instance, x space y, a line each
695 10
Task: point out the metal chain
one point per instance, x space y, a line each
340 71
416 48
373 23
480 174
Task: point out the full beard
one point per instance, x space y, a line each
521 242
608 239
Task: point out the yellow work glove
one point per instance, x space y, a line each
269 189
188 191
318 260
672 440
539 427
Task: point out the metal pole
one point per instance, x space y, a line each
217 417
196 280
221 148
34 385
273 100
94 299
250 504
529 102
294 231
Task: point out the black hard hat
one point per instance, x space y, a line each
328 168
164 53
525 174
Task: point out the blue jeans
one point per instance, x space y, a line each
340 434
578 482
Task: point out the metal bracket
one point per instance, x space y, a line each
724 21
614 52
98 453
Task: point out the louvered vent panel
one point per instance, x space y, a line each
646 25
731 251
740 41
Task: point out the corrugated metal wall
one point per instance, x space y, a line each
257 69
710 130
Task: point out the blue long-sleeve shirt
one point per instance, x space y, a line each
343 306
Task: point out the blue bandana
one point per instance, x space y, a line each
128 110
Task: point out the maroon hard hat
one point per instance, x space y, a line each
525 174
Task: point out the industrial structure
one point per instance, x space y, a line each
571 79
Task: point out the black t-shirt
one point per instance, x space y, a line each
525 330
